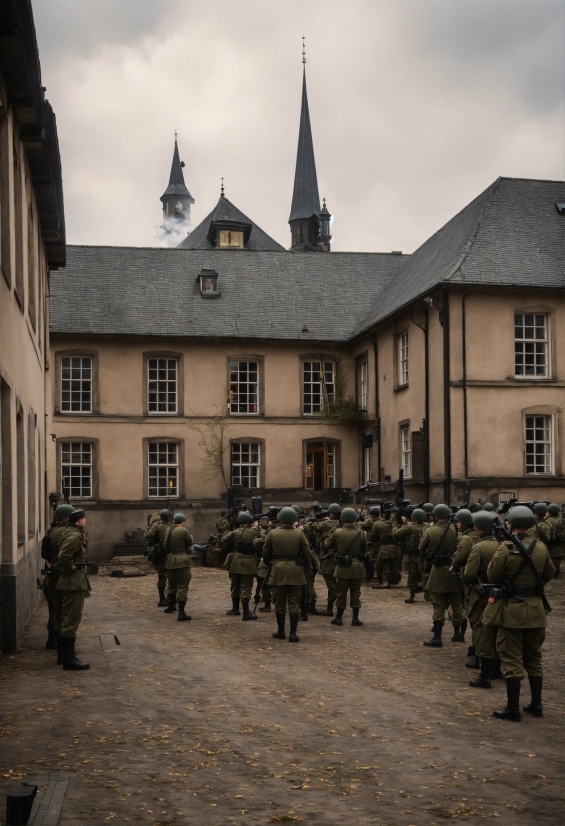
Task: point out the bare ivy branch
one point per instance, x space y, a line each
213 444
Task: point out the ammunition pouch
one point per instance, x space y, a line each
245 548
441 560
343 561
519 592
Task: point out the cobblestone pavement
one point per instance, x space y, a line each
213 722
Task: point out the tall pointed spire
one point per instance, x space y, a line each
176 199
305 210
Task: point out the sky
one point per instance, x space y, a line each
416 107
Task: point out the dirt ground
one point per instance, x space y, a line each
213 722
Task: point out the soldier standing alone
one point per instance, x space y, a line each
73 586
178 563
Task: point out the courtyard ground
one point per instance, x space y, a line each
213 722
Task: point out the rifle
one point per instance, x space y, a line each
502 534
259 595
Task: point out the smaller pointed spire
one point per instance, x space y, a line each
176 199
222 189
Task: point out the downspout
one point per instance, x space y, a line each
424 328
464 359
377 407
444 318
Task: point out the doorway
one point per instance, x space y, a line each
320 466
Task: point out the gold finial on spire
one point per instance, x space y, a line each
303 50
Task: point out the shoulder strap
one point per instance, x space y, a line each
355 538
444 534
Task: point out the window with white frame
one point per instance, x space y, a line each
76 384
162 385
245 464
531 345
76 469
539 444
318 385
330 466
402 359
244 387
362 384
163 469
406 448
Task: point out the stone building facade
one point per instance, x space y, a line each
32 244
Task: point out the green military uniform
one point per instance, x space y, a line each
556 546
54 601
382 542
155 537
437 549
411 534
178 564
263 588
475 576
349 545
466 540
327 565
222 526
72 584
287 553
367 526
242 567
542 531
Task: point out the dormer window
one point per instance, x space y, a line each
230 238
208 283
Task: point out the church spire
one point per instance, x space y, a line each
176 199
305 210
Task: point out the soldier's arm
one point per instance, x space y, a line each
471 571
548 571
497 565
66 552
462 554
268 548
329 543
374 535
305 548
189 539
424 545
400 533
227 540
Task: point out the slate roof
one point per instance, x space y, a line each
510 235
305 196
226 211
177 185
264 295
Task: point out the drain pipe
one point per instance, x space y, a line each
464 359
377 407
444 318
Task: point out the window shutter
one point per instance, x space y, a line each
417 456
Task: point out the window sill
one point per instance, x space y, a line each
401 387
215 294
74 412
159 413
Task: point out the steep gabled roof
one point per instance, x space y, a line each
265 295
510 235
305 196
176 178
225 211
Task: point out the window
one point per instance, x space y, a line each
162 377
538 444
244 387
245 464
506 496
402 359
362 384
76 384
319 385
531 345
76 469
406 448
208 283
231 238
163 469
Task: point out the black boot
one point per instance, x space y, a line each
51 644
474 661
162 599
60 658
464 628
303 616
535 706
356 620
247 615
483 680
293 626
70 660
458 635
235 608
410 599
182 616
512 710
471 651
281 633
337 620
171 606
329 612
496 672
266 609
313 610
435 641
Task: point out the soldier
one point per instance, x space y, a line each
49 551
368 525
540 530
436 551
488 506
517 609
349 545
223 524
557 542
428 509
241 564
177 544
382 541
411 533
287 555
475 575
327 565
467 537
263 589
73 587
155 538
309 606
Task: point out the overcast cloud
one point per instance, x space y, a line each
416 107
